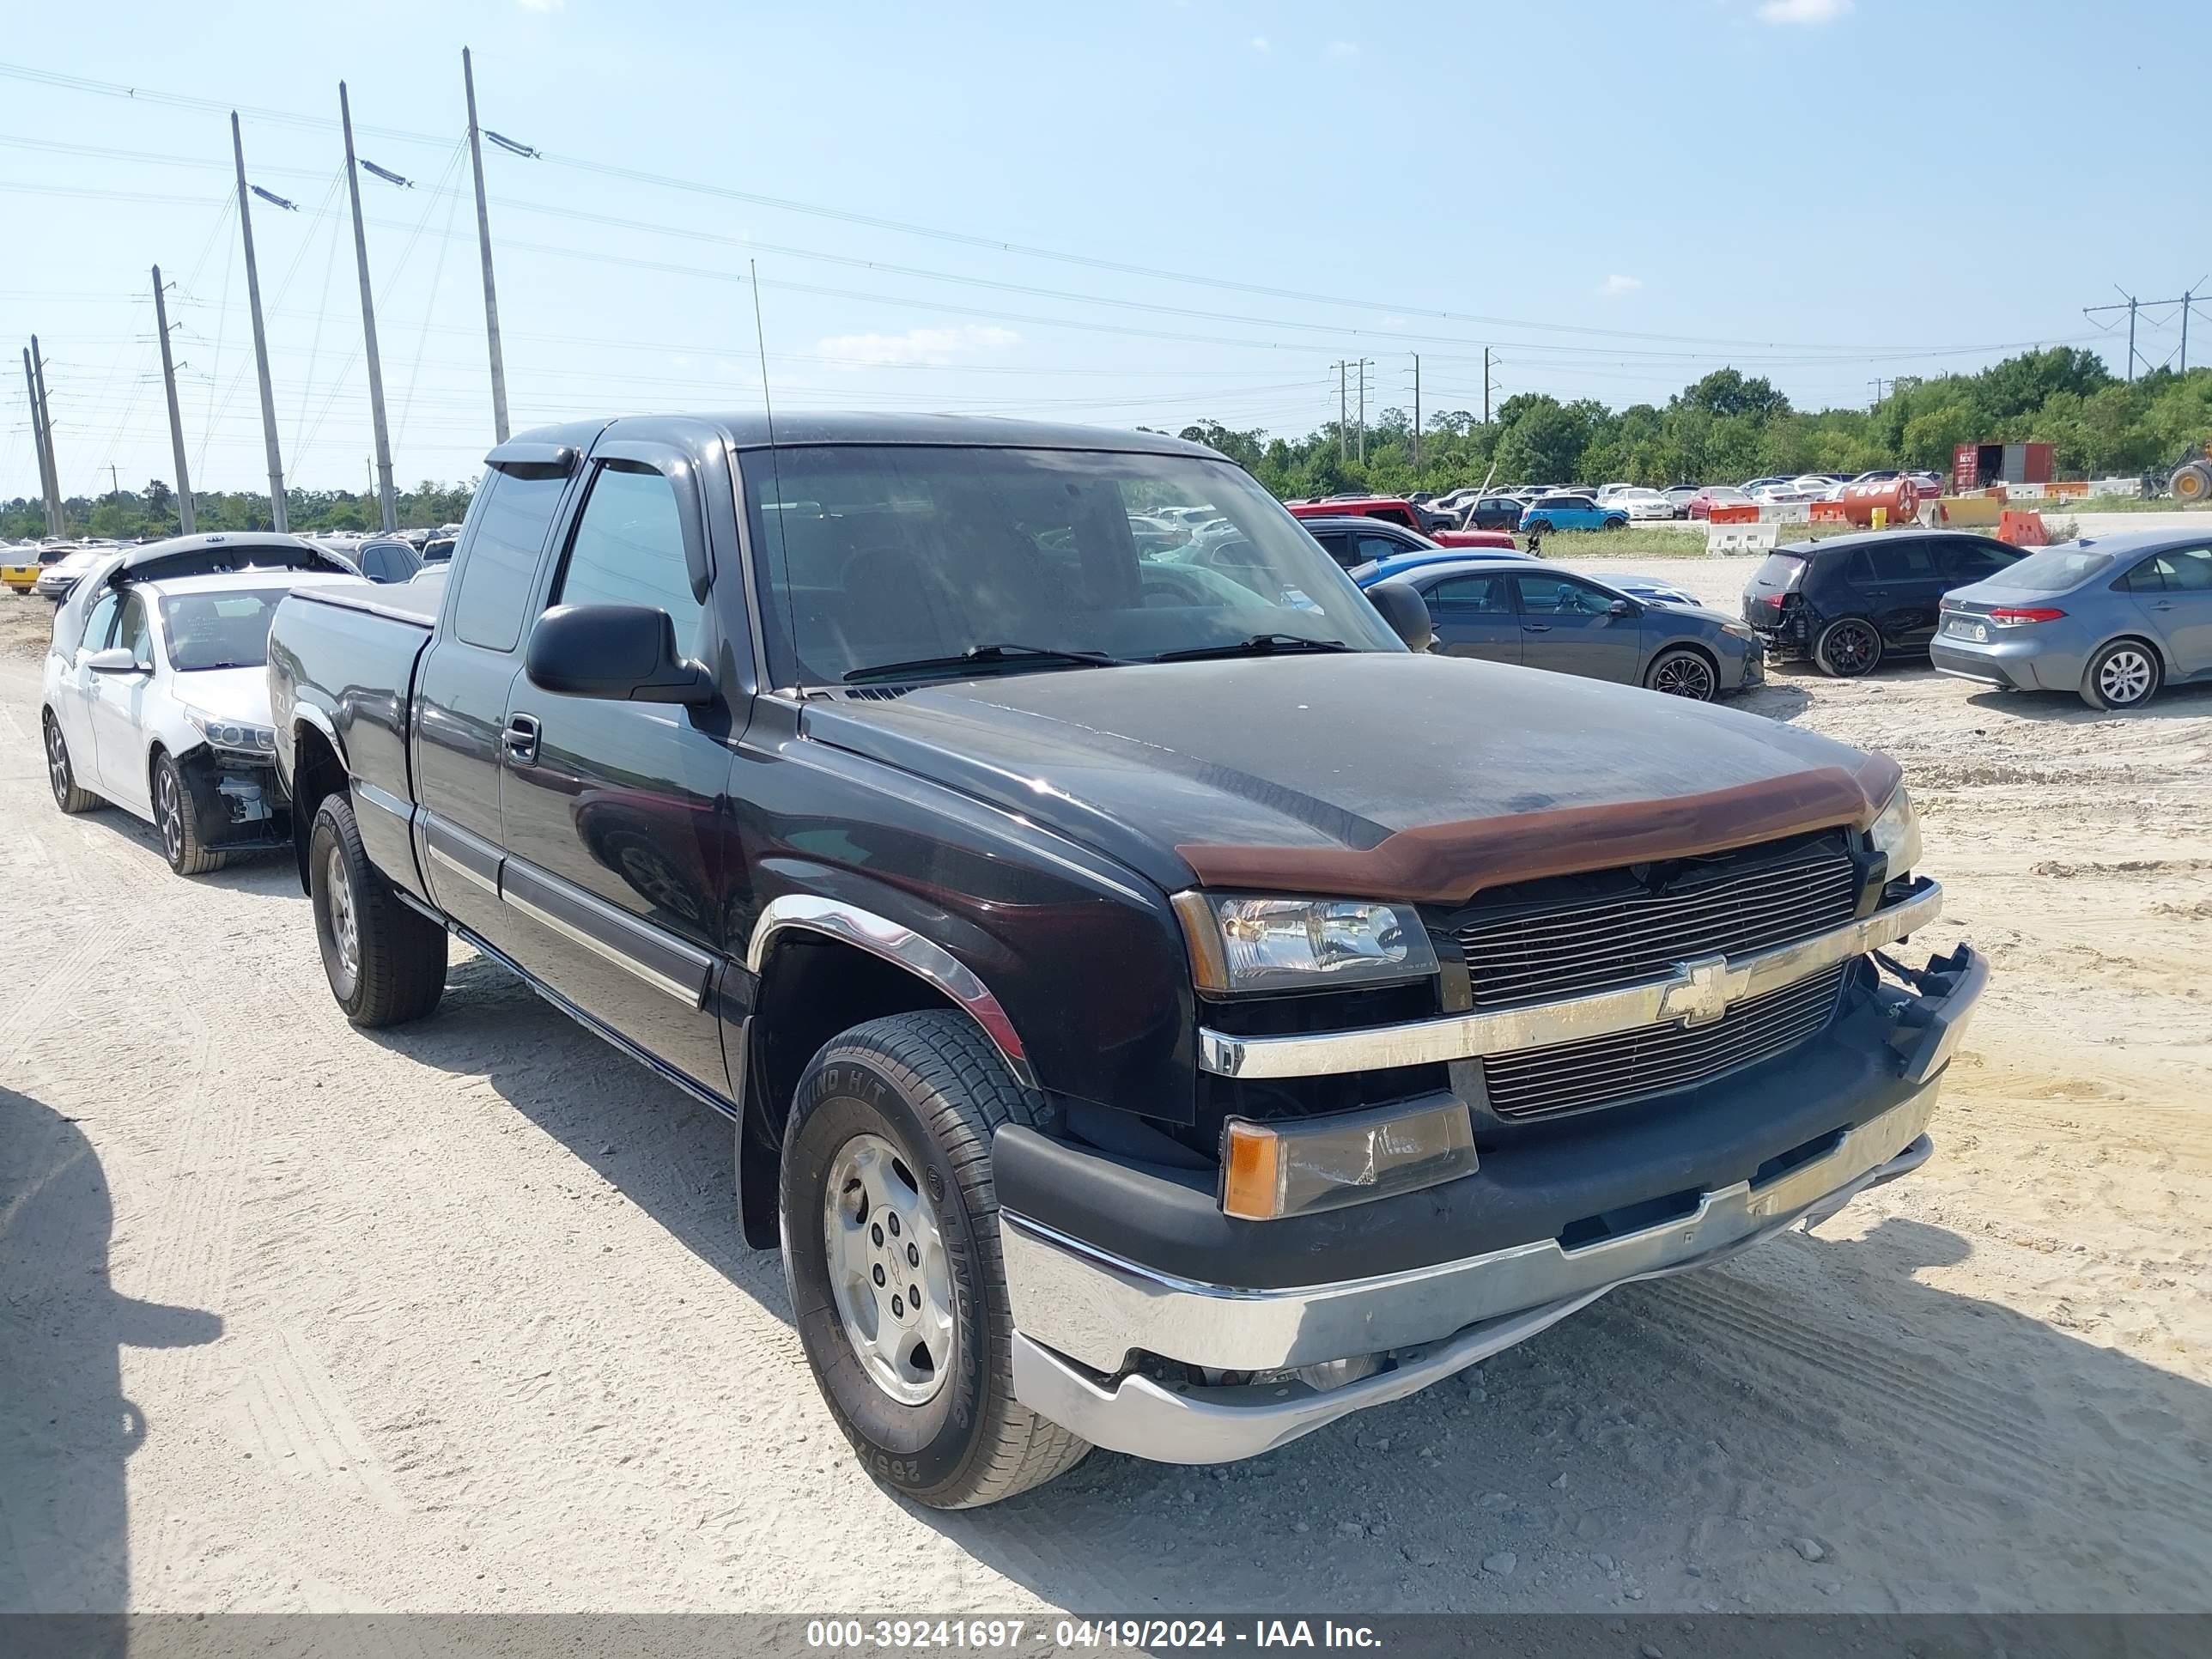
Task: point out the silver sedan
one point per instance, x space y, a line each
2112 619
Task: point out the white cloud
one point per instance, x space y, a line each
1808 13
916 345
1259 44
1614 287
1343 49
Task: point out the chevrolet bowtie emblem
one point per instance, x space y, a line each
1701 992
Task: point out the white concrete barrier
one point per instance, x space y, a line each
2023 492
2130 488
1741 537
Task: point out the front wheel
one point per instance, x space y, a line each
179 824
890 1248
1683 674
2125 674
1848 647
385 964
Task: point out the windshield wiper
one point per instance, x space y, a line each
1259 645
987 656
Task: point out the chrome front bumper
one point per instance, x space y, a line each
1077 1313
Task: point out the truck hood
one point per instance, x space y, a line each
1373 774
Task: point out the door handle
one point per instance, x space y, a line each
2163 604
520 739
1535 627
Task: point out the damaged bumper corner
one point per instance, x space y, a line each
1074 1305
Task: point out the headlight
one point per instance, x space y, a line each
1741 630
1298 944
243 737
1897 832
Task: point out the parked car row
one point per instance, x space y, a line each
2112 619
1509 508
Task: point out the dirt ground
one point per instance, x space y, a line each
454 1317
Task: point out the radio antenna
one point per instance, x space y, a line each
775 469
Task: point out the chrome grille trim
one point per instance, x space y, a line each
1572 1077
1697 989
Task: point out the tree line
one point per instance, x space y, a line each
1728 426
128 514
1722 429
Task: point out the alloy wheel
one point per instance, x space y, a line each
888 1270
58 765
345 928
2124 677
1852 647
1684 676
169 813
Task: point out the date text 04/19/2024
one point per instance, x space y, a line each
921 1634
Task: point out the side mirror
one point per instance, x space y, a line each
622 652
1405 611
115 659
1620 608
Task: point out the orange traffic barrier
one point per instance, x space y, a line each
1830 512
2066 492
2022 530
1746 514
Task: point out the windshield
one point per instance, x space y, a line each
2050 570
229 630
966 560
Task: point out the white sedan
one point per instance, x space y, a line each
160 705
1642 504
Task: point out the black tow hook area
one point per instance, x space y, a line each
236 802
1929 1025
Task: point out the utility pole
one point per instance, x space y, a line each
1877 383
389 507
483 245
39 442
2131 304
1343 415
114 488
279 511
1417 410
53 466
176 421
1485 385
1364 364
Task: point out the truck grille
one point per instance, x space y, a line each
1611 1071
1584 935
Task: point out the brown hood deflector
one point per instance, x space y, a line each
1448 863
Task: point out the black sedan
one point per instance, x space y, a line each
1543 616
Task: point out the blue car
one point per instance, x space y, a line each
1381 570
1569 513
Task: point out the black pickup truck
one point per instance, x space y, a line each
1159 1007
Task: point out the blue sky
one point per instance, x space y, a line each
1614 197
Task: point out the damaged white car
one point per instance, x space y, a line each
159 703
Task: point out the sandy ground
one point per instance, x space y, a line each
454 1317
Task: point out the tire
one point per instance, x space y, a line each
1848 647
395 971
2191 483
174 819
61 776
2125 674
1681 672
1613 524
914 1097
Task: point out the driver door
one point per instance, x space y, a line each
1567 626
1474 616
117 704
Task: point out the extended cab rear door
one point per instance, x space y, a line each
461 687
621 848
